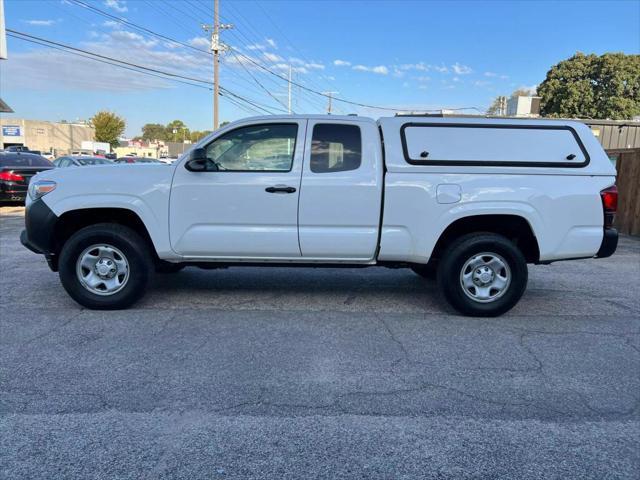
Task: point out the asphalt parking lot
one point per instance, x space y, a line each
311 373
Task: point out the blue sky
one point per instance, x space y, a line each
396 54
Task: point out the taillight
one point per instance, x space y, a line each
609 198
11 177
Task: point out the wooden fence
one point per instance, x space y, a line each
628 181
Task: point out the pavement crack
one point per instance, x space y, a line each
51 330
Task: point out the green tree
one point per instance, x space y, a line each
592 86
154 131
109 127
176 131
196 135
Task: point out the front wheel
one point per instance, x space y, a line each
483 274
105 266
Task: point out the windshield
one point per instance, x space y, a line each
93 161
23 160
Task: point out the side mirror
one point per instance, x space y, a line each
198 161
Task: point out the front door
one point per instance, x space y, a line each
245 206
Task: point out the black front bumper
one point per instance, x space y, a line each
609 243
40 222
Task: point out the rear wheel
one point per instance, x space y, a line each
105 266
482 274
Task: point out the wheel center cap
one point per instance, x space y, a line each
105 267
485 277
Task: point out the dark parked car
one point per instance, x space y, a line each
80 161
17 148
16 169
137 160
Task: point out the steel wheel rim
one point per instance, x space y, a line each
485 277
102 269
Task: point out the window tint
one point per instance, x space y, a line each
23 160
335 148
93 161
255 148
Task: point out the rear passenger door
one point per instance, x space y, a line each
341 191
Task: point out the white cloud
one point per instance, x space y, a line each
380 69
117 5
40 23
440 68
112 24
315 66
272 57
268 43
461 69
481 83
490 74
420 66
198 42
306 65
341 63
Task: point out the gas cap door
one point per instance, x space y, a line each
448 193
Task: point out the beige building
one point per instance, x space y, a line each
56 137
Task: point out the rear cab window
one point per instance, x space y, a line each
492 145
335 148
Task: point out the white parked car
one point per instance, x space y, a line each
472 199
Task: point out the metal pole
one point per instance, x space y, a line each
289 92
216 63
330 97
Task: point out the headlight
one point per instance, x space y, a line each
41 187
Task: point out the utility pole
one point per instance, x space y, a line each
217 47
289 92
330 96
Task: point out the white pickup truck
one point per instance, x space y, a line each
473 200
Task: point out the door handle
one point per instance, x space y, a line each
280 189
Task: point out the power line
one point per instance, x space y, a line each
132 67
257 81
136 26
108 58
104 61
251 60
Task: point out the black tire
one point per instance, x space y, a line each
168 267
428 270
129 243
464 249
